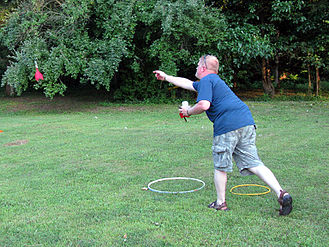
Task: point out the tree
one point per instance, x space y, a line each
170 35
314 40
5 8
287 26
84 40
115 45
91 40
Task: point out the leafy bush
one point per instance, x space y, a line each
110 44
76 39
115 45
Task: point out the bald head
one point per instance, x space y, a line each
210 62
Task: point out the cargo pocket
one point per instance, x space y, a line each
221 156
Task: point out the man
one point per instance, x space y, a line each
234 130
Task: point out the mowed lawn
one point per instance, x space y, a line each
72 173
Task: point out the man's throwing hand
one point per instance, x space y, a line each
160 75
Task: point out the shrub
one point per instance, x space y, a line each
114 45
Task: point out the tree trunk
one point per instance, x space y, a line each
10 91
267 84
277 81
317 82
309 89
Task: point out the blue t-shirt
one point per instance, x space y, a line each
226 111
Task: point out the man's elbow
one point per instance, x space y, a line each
204 104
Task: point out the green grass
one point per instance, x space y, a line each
78 181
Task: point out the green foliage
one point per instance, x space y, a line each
4 52
115 45
92 41
75 39
294 33
313 49
240 46
170 35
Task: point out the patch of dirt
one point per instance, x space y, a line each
16 143
60 104
43 104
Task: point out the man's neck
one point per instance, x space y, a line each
207 72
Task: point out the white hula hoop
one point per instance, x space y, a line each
175 192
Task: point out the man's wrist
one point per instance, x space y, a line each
188 114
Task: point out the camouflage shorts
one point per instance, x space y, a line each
239 144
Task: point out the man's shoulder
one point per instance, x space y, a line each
213 79
210 80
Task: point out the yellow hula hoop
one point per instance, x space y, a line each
250 194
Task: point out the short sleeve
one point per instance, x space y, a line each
204 89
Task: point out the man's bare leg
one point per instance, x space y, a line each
220 179
268 177
284 199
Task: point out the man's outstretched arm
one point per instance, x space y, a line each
177 81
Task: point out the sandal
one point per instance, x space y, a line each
285 201
222 207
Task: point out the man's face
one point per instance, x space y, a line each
199 70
